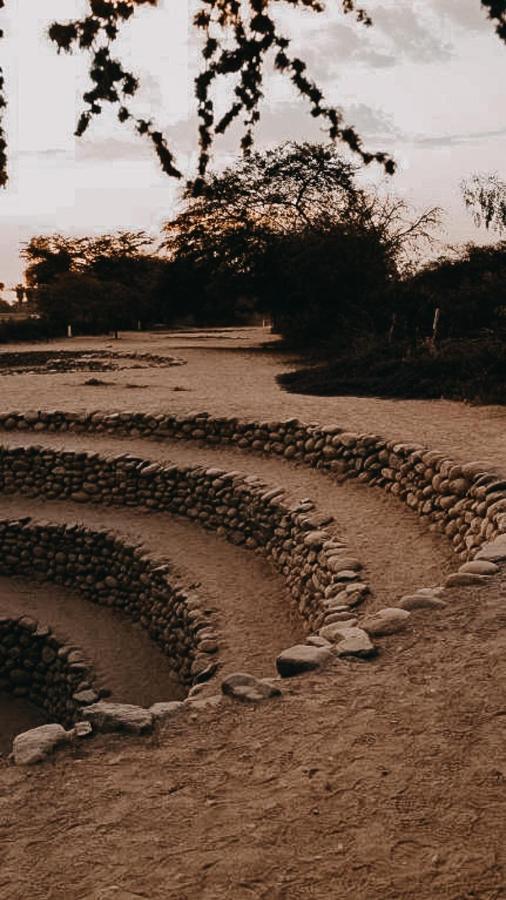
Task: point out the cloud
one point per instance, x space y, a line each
467 15
371 121
412 35
112 148
400 33
453 140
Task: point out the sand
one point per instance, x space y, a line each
378 780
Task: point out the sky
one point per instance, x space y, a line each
425 83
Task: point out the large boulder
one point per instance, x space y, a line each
302 658
354 642
36 745
118 717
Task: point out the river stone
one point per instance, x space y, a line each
315 539
421 601
166 710
338 563
333 629
315 640
493 551
354 642
118 717
302 658
247 688
465 579
385 621
480 567
35 745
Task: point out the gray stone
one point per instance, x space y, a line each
302 658
315 539
166 710
338 563
421 601
480 567
466 579
106 716
385 621
354 642
245 687
204 702
315 640
85 697
37 744
494 551
330 630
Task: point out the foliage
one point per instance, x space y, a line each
3 142
93 283
298 208
238 38
28 330
485 196
468 361
472 370
469 289
326 285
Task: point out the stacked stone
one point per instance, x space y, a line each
319 571
466 503
114 574
35 665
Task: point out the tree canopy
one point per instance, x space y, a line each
285 224
95 283
238 40
485 197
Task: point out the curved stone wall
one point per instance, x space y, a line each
320 572
36 665
112 573
466 503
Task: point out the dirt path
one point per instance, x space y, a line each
226 375
385 780
399 552
380 780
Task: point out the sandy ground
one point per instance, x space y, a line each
226 375
377 780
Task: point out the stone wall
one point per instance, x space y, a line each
35 665
466 503
112 573
320 572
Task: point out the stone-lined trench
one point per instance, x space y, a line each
465 503
241 508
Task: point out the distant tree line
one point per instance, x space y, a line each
289 235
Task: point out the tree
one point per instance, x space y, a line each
96 283
224 244
485 197
468 288
291 187
238 38
326 285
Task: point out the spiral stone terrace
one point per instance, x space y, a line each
466 503
36 665
319 570
109 572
